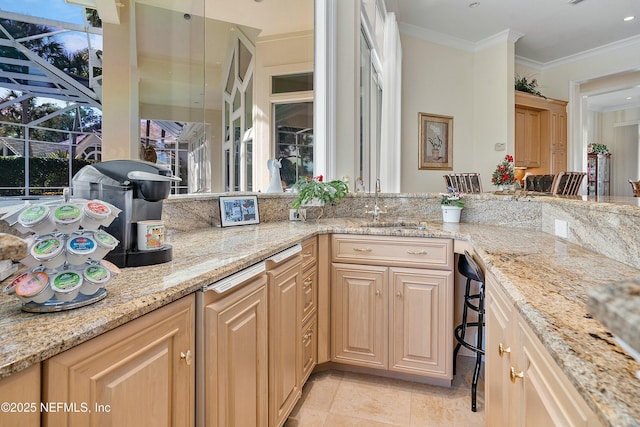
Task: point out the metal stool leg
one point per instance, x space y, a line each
479 337
464 324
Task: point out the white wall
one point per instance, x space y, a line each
475 88
436 80
619 131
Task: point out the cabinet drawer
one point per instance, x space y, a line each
309 292
393 251
309 348
309 253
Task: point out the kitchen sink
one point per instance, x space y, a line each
400 224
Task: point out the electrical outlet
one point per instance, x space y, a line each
562 228
296 215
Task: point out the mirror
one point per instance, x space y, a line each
206 103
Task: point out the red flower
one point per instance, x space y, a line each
320 178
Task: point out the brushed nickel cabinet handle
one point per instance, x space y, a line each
186 357
420 252
307 283
306 255
377 292
398 294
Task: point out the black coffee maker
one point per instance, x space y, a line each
138 189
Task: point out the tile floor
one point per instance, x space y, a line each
335 399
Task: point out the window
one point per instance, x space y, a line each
294 140
238 117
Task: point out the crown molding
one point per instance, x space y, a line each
543 66
457 43
499 38
436 37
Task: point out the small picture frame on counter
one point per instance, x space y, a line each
239 210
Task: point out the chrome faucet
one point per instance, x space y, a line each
377 211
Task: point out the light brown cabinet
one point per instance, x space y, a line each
393 318
524 385
234 359
21 391
540 134
527 139
309 308
285 341
141 373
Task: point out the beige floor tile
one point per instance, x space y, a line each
307 417
319 391
367 398
335 399
335 420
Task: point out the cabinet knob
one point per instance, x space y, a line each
308 335
306 255
514 376
398 294
307 282
186 357
502 350
377 292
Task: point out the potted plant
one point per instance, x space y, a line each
317 192
504 176
451 204
528 86
595 148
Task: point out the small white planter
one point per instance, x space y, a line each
451 213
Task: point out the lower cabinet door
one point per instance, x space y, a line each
359 306
420 334
139 374
285 344
235 358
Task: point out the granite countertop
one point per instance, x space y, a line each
547 278
12 247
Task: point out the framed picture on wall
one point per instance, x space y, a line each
240 210
435 145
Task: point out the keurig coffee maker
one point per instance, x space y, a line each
138 189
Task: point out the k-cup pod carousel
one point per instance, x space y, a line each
64 258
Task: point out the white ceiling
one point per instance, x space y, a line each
553 30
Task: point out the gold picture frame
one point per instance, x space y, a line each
435 145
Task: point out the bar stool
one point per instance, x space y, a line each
469 269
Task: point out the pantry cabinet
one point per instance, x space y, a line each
234 358
527 140
141 373
524 385
390 315
21 392
540 126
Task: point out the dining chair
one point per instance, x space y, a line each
464 182
539 183
567 183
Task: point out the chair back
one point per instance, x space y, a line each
464 182
635 187
539 183
567 183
